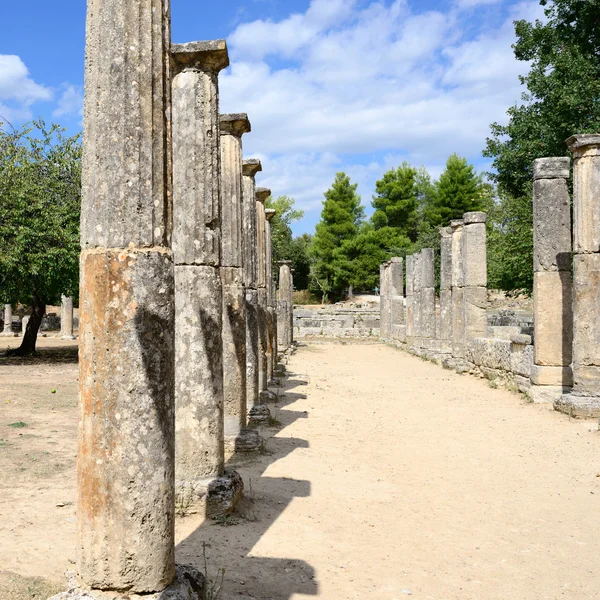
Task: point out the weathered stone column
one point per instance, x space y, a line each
285 306
445 332
584 401
427 296
199 430
475 274
458 297
271 342
24 323
417 300
385 312
261 252
233 126
551 375
8 317
125 504
410 299
396 288
256 411
66 318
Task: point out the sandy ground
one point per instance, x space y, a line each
388 477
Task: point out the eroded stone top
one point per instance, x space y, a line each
284 262
582 142
396 259
262 194
270 213
474 217
554 167
445 232
456 223
251 166
210 56
235 124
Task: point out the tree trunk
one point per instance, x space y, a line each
30 336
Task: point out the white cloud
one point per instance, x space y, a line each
465 4
70 102
342 87
18 91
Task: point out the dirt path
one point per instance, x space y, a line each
389 477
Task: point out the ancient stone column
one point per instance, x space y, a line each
199 428
396 289
458 297
8 317
427 296
261 253
233 126
125 504
584 401
551 375
445 328
410 299
24 323
285 306
475 274
417 276
271 342
255 413
66 318
384 302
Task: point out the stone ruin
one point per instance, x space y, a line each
179 327
558 360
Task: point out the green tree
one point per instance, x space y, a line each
458 190
563 91
396 201
341 216
358 258
284 245
40 200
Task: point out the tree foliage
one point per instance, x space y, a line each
341 216
396 201
40 200
459 190
563 91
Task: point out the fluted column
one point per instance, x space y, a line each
8 317
285 306
125 504
233 127
271 317
66 318
445 329
199 447
250 168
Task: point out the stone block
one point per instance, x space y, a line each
558 376
475 305
471 218
586 380
445 327
551 225
458 278
427 313
546 394
586 305
458 317
474 254
552 306
583 407
427 264
521 359
554 167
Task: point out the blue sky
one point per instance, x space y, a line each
330 85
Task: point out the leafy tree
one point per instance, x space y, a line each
396 201
341 216
563 91
510 243
300 256
458 191
358 258
40 199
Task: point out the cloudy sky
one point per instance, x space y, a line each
330 85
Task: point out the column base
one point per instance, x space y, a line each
248 440
187 585
9 334
259 415
68 337
544 394
267 396
583 407
213 497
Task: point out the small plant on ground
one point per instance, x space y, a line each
225 520
17 425
212 587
